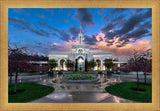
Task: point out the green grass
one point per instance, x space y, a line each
81 77
123 90
32 91
81 72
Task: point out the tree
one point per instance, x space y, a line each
17 62
86 63
52 64
146 61
69 64
115 59
126 68
135 65
91 64
76 65
108 63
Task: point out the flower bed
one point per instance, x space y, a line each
89 72
80 77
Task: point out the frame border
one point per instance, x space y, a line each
5 4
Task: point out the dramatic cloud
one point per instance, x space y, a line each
20 21
121 52
117 21
101 11
134 28
28 26
130 24
63 35
19 26
20 10
39 32
118 30
107 28
118 10
91 40
135 34
74 31
84 16
146 25
65 47
100 45
147 14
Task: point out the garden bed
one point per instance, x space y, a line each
80 78
81 72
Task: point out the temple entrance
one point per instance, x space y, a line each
81 64
62 65
98 64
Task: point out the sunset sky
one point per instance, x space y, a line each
116 30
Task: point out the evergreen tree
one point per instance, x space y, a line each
76 66
91 64
69 64
52 64
86 63
108 63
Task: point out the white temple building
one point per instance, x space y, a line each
81 52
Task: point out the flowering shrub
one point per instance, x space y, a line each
126 68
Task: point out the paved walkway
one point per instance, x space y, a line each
81 97
80 92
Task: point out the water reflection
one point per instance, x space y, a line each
104 80
115 80
44 81
61 76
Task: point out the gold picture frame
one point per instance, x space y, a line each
5 4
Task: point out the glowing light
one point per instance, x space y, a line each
115 80
80 60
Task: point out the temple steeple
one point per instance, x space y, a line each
80 36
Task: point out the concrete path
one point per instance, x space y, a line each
81 97
78 92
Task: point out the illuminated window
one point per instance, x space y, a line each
80 51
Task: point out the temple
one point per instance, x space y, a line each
80 52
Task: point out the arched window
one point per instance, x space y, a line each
80 51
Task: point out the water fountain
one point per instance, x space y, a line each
20 79
119 79
102 80
40 78
115 80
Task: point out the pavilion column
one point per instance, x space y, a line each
65 66
118 65
59 65
94 68
101 65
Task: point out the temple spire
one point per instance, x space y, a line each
80 36
80 27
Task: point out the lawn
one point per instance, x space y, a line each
81 72
123 90
31 92
81 77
